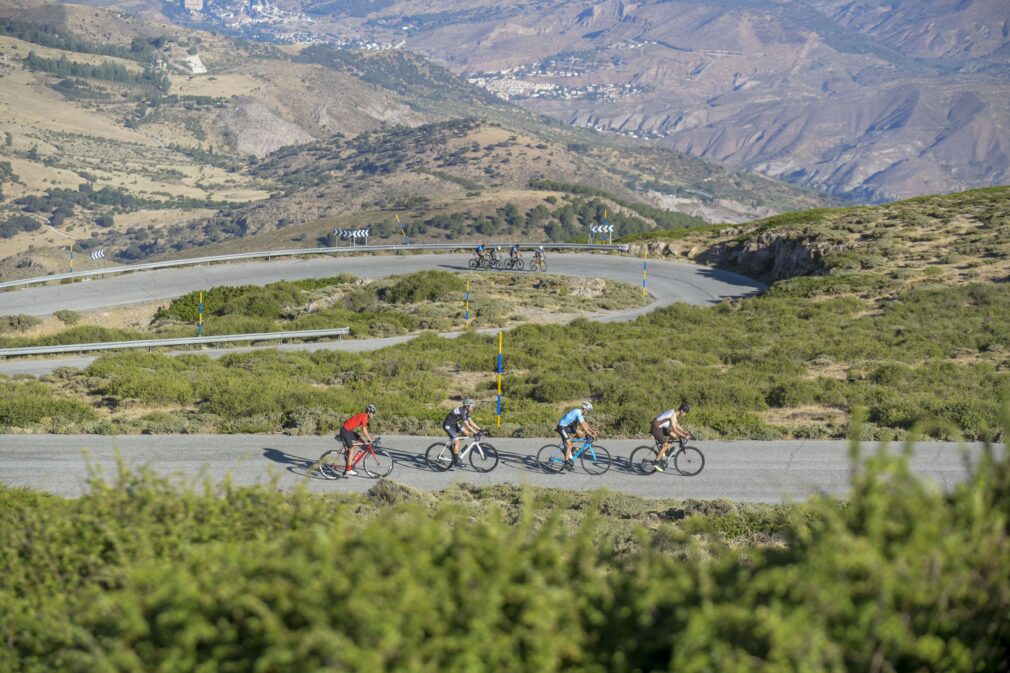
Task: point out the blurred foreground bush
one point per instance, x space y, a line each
146 576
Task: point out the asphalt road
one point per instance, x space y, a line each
746 471
667 282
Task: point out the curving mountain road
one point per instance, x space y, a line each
667 282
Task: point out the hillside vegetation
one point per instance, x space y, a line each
143 575
880 251
908 343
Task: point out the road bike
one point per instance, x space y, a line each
483 456
688 460
375 460
514 263
538 264
595 459
482 262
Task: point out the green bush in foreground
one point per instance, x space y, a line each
143 576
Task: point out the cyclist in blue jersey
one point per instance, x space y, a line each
479 251
569 426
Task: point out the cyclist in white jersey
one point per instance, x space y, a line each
665 428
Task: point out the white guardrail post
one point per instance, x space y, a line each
417 247
181 341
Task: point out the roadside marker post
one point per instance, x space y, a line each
499 379
71 258
645 259
466 317
402 230
199 320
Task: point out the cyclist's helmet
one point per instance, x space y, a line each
468 402
587 406
541 248
685 407
370 409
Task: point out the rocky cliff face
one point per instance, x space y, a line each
768 256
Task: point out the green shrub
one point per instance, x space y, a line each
24 404
68 317
424 286
18 323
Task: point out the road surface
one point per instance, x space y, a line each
746 471
667 282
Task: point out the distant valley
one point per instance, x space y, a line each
137 138
869 101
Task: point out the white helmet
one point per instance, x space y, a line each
587 406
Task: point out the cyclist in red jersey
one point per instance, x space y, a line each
351 438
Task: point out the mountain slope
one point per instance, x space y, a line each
142 138
870 101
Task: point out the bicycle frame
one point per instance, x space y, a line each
474 441
586 444
360 452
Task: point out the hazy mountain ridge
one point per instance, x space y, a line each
867 100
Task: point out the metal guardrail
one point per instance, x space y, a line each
421 247
181 341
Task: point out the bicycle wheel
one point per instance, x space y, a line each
520 264
438 456
643 460
377 464
473 263
488 461
331 464
551 458
543 266
596 460
689 461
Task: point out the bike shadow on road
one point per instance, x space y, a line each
303 467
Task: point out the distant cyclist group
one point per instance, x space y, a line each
458 425
486 257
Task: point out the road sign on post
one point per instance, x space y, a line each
603 229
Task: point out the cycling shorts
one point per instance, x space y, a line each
452 430
348 438
566 432
660 431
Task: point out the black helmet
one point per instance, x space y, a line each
685 407
370 409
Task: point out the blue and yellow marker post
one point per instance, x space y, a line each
499 378
402 230
645 258
466 315
71 258
199 320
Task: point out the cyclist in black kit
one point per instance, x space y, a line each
458 425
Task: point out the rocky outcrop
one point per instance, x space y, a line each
768 256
